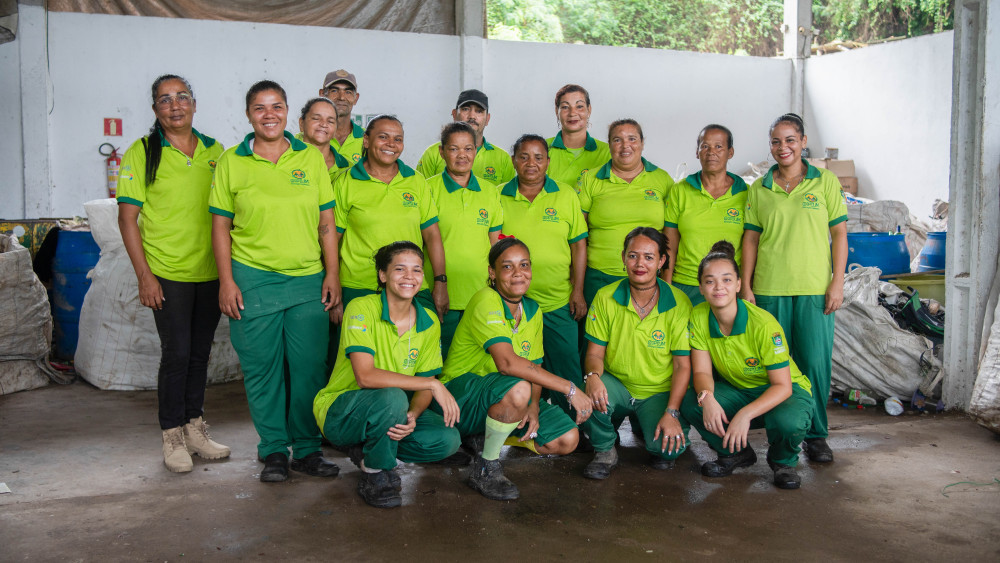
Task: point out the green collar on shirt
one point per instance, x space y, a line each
358 171
486 146
590 145
739 185
452 186
739 324
665 303
768 180
510 189
245 150
424 321
205 139
604 173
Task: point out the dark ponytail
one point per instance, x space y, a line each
722 250
153 143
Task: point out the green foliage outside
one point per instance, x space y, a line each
742 27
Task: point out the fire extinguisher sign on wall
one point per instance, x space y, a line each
111 165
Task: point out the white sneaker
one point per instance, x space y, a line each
199 442
175 454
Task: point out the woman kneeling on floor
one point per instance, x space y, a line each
376 404
493 371
637 359
760 386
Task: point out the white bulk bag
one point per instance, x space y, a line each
985 404
25 321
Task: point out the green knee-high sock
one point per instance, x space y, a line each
496 433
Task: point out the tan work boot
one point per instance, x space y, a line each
175 454
199 442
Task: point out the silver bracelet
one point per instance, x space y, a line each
572 391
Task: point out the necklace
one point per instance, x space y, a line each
644 308
788 182
517 318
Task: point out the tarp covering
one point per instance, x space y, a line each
8 20
417 16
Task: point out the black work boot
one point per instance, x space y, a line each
316 465
487 477
377 489
818 450
357 456
785 476
724 466
275 468
602 464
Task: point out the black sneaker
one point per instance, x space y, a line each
818 450
785 476
487 477
724 466
357 455
474 443
275 468
660 464
377 489
602 464
316 465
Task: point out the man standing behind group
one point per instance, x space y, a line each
341 88
492 163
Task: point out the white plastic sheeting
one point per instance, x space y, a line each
870 351
985 404
25 321
119 347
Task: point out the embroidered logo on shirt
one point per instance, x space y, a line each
551 215
299 178
776 338
656 339
409 200
753 366
526 348
752 362
484 218
211 164
411 358
651 195
358 317
810 201
732 215
491 173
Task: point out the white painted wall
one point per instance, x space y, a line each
11 150
102 66
672 94
887 107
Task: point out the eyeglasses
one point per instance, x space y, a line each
182 99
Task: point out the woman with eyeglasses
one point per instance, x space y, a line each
162 195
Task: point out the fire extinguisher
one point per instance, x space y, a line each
111 165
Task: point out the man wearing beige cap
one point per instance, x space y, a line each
341 88
492 163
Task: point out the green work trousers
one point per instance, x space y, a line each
448 325
280 340
603 427
693 292
364 416
810 338
347 295
786 424
593 281
559 337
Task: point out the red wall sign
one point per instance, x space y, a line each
112 127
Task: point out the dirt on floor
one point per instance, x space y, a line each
87 483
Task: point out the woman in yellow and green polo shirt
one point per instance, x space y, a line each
546 215
759 385
162 192
273 237
638 357
792 214
381 200
573 151
376 401
470 222
704 207
492 370
317 123
626 192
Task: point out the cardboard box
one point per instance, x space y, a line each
849 184
838 167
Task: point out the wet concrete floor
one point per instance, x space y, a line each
88 484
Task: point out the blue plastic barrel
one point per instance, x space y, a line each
76 254
884 251
932 254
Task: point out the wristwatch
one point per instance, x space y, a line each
442 278
674 413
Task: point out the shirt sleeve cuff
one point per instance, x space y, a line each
328 205
131 201
838 220
495 340
352 349
680 352
579 237
222 212
752 227
428 223
780 365
595 339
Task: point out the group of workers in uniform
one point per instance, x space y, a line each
534 299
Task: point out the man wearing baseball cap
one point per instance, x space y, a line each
492 163
341 88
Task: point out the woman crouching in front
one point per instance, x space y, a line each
760 385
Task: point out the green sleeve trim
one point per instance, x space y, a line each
340 229
352 349
783 364
699 349
495 229
578 238
329 205
495 340
538 361
752 227
428 223
217 211
431 373
594 339
680 352
669 224
130 201
838 220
